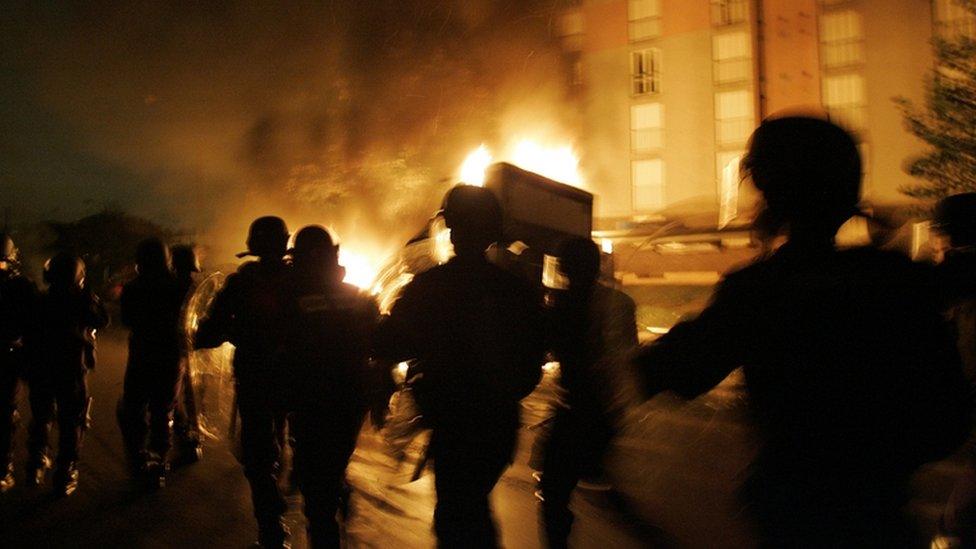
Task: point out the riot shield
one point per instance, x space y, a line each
210 370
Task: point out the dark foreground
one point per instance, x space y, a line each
675 469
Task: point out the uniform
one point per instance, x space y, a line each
853 382
477 333
151 306
248 313
17 296
60 346
324 358
592 337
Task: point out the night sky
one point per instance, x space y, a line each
203 116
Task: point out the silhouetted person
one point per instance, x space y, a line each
248 312
17 296
151 306
955 220
852 376
186 425
476 332
60 346
328 326
593 335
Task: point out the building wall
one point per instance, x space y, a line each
789 75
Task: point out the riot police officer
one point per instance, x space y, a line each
151 306
60 346
476 333
248 313
325 348
186 425
853 379
17 295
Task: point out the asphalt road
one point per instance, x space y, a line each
675 469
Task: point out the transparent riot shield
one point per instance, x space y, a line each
210 370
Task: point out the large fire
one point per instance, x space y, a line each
361 269
555 162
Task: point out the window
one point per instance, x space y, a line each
844 98
645 70
734 117
644 19
646 127
727 166
648 180
732 54
728 12
952 20
571 30
841 38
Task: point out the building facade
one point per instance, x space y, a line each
670 90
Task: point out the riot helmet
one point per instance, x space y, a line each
152 257
809 173
8 251
314 249
267 238
474 217
955 217
185 259
65 270
579 261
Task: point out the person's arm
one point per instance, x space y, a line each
698 354
96 315
214 329
396 335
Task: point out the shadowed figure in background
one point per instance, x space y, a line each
17 296
594 333
324 360
60 345
248 312
186 423
955 220
151 305
476 333
852 376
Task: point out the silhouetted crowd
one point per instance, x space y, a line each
859 363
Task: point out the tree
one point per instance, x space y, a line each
948 121
107 242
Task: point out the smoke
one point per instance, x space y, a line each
346 113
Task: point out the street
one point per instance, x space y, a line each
675 469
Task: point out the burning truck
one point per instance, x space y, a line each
538 213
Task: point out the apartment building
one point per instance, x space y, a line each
670 90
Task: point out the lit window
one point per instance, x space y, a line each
727 164
951 19
644 19
841 38
646 127
570 29
648 180
729 12
734 117
645 70
732 53
844 99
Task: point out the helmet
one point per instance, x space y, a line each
267 237
955 216
65 270
313 239
579 260
473 214
8 251
185 259
152 257
808 170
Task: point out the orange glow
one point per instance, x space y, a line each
474 166
558 162
361 269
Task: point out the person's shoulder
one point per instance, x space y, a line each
614 297
22 284
246 269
